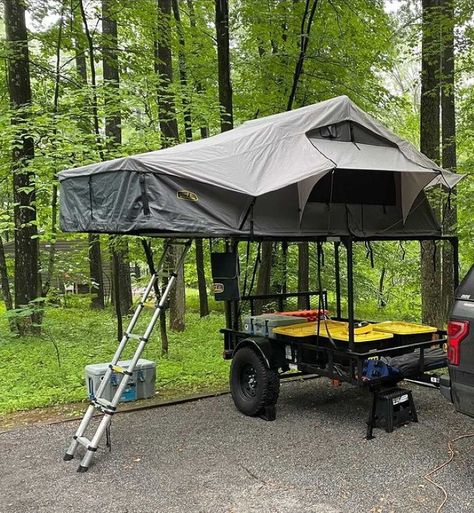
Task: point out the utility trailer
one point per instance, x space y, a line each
259 361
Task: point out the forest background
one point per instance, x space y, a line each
88 80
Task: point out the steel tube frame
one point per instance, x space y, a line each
337 271
350 291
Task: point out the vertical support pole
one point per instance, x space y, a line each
284 256
231 307
337 268
228 304
455 243
235 304
350 292
320 285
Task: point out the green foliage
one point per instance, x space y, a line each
48 369
356 48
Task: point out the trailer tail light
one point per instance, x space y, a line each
457 332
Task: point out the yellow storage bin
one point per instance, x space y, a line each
308 329
403 328
336 329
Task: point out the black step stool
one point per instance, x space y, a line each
391 407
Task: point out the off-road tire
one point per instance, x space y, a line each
252 384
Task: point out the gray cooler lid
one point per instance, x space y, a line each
97 369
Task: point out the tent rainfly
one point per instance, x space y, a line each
328 169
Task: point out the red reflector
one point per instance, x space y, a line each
457 332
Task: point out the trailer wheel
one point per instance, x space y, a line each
253 386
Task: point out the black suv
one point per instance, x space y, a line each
458 387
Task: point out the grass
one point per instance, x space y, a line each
37 371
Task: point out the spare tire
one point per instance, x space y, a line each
252 384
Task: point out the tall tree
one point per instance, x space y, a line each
94 250
199 87
5 283
169 133
306 24
54 192
303 250
188 133
430 146
113 132
27 277
223 65
183 76
448 141
225 105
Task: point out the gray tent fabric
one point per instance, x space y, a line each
325 169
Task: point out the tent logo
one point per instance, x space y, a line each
187 196
218 288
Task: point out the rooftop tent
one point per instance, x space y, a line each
325 169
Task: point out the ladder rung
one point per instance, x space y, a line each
85 442
133 336
103 403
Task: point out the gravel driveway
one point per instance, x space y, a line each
206 457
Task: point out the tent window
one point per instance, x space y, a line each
356 187
329 132
349 131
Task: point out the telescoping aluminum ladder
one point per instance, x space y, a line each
108 408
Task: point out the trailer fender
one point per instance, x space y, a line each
269 352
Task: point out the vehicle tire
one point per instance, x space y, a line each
253 386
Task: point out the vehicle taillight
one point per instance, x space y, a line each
457 332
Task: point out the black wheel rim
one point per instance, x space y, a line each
248 381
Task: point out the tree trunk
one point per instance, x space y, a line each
223 65
264 275
448 140
177 298
95 115
225 96
204 130
429 145
164 66
96 274
169 136
188 131
306 24
303 272
183 79
27 279
52 241
151 266
54 192
5 283
120 255
201 277
116 289
381 301
113 132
